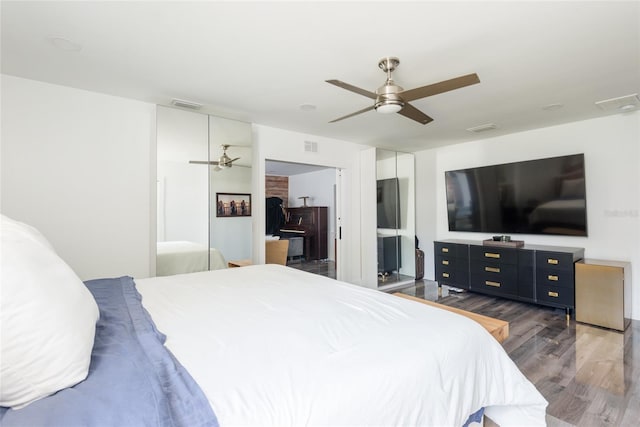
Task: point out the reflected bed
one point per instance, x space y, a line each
178 257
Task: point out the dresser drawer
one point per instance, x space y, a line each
555 277
451 249
494 270
555 295
445 274
502 255
450 262
495 285
450 277
555 260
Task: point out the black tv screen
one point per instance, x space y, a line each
544 196
388 203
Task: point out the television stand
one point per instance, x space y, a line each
537 274
389 254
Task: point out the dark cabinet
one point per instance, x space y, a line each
555 274
389 254
494 270
526 275
452 264
533 273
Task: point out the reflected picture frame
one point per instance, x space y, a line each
233 205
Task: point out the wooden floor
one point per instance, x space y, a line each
322 267
589 375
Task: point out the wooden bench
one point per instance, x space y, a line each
239 263
499 329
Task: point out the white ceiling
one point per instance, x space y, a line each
260 61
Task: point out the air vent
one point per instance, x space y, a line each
620 104
483 128
311 146
186 104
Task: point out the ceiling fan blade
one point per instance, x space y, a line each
436 88
233 160
364 110
413 113
352 88
203 162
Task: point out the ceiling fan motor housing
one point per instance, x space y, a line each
388 99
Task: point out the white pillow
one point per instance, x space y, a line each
47 318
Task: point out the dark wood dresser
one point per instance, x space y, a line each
533 273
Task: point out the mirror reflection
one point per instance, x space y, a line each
202 162
395 210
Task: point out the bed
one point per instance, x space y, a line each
257 345
177 257
569 214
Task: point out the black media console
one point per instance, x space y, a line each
533 273
389 254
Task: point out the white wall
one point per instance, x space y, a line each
232 236
277 144
612 161
320 187
79 166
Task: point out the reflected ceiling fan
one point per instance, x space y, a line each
222 163
391 98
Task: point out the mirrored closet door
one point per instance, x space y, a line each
202 162
395 203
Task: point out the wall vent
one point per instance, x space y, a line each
483 128
620 104
186 104
311 146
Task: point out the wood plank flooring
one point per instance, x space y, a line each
322 267
589 375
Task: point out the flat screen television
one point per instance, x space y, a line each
388 203
543 196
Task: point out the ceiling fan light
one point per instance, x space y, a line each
389 107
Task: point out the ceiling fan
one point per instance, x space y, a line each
223 162
391 98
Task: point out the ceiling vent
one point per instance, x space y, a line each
311 146
186 104
483 128
620 104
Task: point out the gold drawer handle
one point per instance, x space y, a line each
445 250
552 261
445 275
490 283
552 277
491 255
492 269
445 262
553 294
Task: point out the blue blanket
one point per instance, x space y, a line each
133 379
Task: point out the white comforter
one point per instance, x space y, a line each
177 257
271 345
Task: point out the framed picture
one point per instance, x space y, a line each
233 204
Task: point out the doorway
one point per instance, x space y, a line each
310 198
